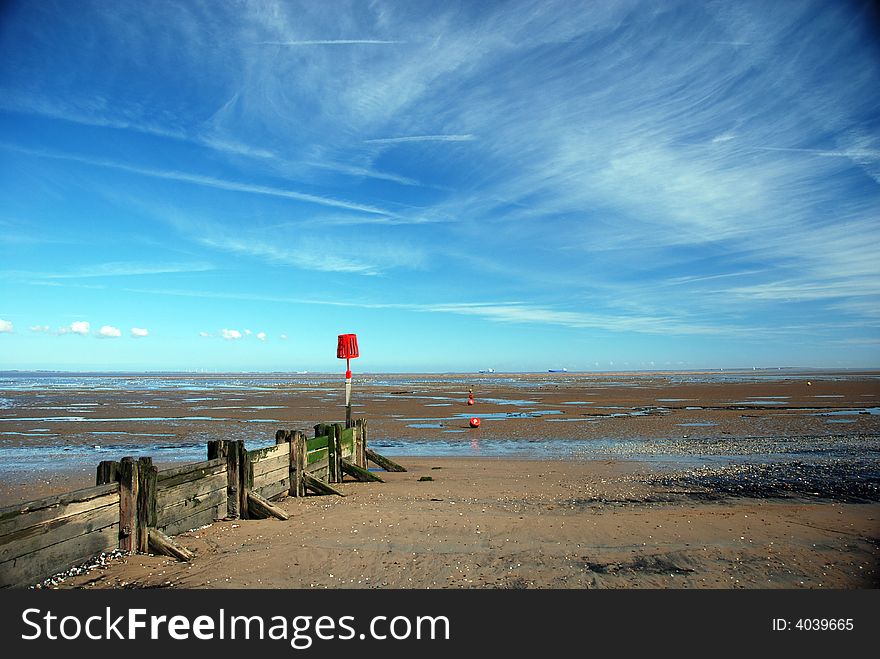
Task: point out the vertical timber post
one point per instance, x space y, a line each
147 513
298 466
220 448
337 449
128 504
107 471
363 455
357 457
245 479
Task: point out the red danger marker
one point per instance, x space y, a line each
347 349
475 422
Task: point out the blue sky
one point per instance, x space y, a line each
515 185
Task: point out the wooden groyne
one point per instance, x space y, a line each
134 507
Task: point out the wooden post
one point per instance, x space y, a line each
360 434
128 500
146 502
245 479
107 471
220 448
298 465
338 427
363 457
331 454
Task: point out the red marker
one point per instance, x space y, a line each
347 349
475 422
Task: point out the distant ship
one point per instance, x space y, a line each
488 370
557 370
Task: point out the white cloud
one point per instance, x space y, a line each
110 332
230 334
5 326
283 337
261 336
138 332
248 332
39 328
204 335
80 327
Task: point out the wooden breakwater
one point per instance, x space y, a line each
134 507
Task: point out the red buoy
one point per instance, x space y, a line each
475 422
470 397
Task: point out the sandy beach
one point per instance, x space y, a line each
523 524
572 481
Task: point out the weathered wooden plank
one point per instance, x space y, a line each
322 474
315 466
273 490
57 513
382 461
317 456
319 486
317 443
268 452
260 508
40 536
358 473
271 464
190 472
168 498
36 566
272 476
347 441
20 515
159 543
200 517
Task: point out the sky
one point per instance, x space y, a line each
524 185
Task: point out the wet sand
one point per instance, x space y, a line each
680 480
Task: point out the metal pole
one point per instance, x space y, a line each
347 393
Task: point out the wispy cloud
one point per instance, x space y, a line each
113 269
39 328
230 334
6 326
422 138
139 332
206 181
330 42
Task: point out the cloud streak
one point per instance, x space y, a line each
421 138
